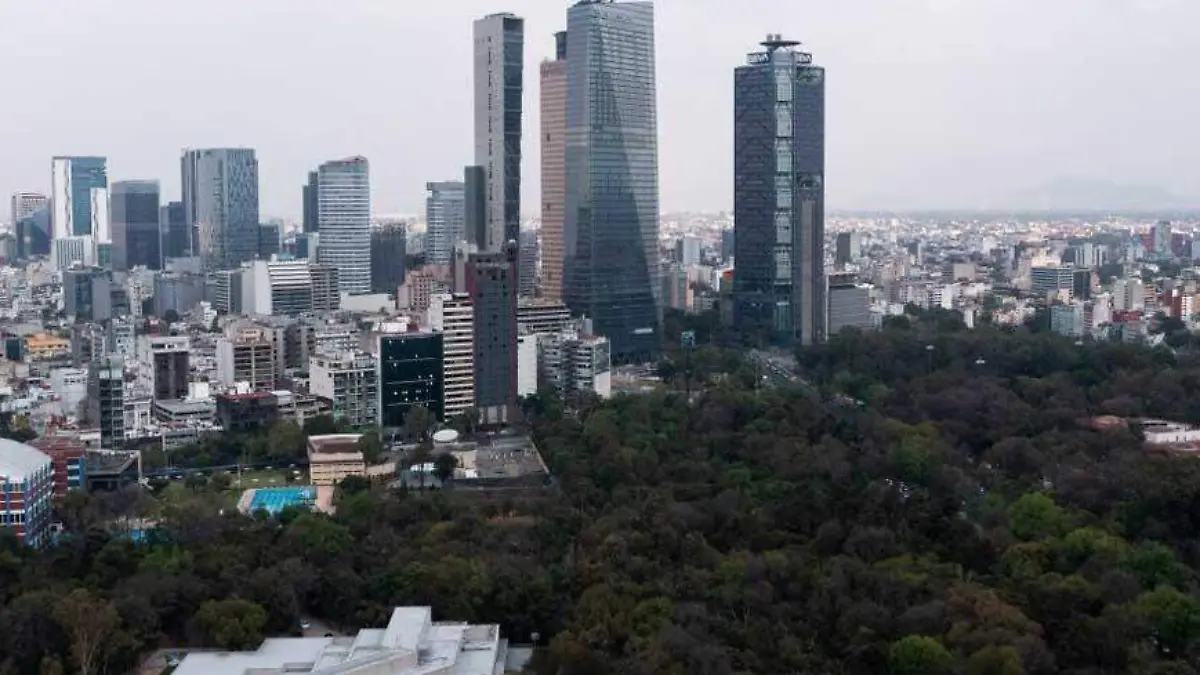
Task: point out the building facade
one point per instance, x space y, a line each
499 86
410 374
849 304
174 235
312 204
283 288
135 225
344 220
445 220
248 358
611 258
350 383
106 400
164 365
26 492
528 263
27 203
553 92
389 248
220 202
574 364
454 316
492 280
779 194
79 195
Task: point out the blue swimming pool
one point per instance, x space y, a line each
274 500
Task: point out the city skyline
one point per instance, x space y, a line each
932 109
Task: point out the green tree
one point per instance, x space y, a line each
195 482
352 485
220 481
443 466
1036 516
418 422
91 624
466 422
233 624
919 655
1173 616
286 441
371 447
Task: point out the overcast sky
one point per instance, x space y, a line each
932 103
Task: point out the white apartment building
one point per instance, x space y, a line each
349 382
573 363
527 365
454 316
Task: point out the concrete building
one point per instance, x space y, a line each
553 93
106 400
350 383
164 365
33 229
849 304
453 315
687 251
66 252
611 258
220 202
528 264
135 228
344 221
70 385
79 197
284 288
389 247
1161 239
68 455
26 491
848 249
779 194
574 363
491 281
25 204
499 86
542 316
411 373
333 458
527 365
312 205
445 220
418 289
176 240
249 358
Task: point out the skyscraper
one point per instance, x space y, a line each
491 280
611 260
528 263
445 220
31 223
220 203
26 204
311 204
499 83
79 193
388 252
779 194
136 241
554 167
344 221
174 234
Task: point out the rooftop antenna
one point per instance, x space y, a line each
775 42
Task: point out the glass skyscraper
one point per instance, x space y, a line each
344 221
79 197
779 195
499 84
136 239
445 219
611 260
220 202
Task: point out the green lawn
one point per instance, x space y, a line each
176 490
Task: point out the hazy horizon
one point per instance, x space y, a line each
932 104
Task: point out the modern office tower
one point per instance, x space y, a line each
344 220
32 226
307 245
26 204
227 291
163 365
528 264
388 250
454 317
135 228
269 239
848 245
677 289
220 203
349 382
89 294
475 209
727 244
491 280
281 288
106 400
247 358
179 293
779 194
542 316
445 220
175 237
410 375
687 251
1062 280
499 85
849 304
1161 236
312 205
611 260
554 167
66 252
77 209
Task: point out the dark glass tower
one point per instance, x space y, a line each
491 279
220 202
311 203
410 374
610 234
135 212
389 247
173 231
779 194
499 86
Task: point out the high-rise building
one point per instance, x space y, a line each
311 222
27 203
454 317
445 220
611 259
135 227
281 288
542 316
779 194
554 167
1161 236
106 400
32 226
848 245
410 375
687 250
349 382
269 239
849 304
89 294
575 363
388 250
475 209
247 358
344 221
220 203
79 194
173 231
499 85
491 280
528 264
164 365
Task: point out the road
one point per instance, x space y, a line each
779 368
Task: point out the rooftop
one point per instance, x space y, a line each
333 443
18 460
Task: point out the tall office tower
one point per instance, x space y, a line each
687 251
344 221
269 239
445 220
73 180
475 210
220 204
611 259
1161 236
454 317
311 203
491 280
106 400
849 304
26 204
388 251
848 246
554 167
779 194
173 231
499 84
528 264
410 375
135 206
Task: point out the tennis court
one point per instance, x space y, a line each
274 500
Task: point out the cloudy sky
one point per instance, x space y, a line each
932 103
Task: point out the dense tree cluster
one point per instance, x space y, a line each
935 508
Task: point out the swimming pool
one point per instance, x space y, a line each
274 500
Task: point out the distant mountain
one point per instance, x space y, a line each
1082 194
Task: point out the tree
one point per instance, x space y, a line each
195 482
91 624
466 422
220 481
418 422
1034 516
371 447
233 624
919 655
286 441
170 316
321 425
421 455
443 467
352 485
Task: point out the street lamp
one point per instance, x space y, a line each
928 358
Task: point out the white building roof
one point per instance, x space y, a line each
18 460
